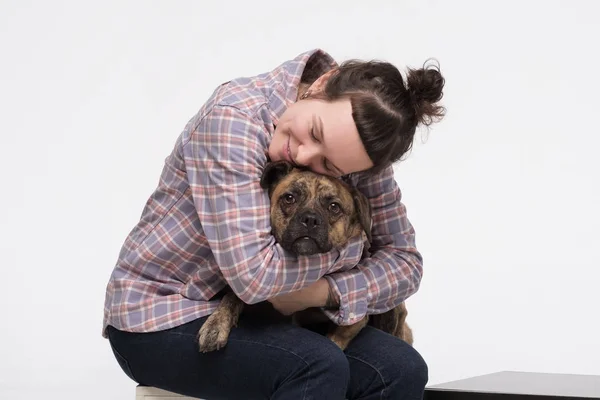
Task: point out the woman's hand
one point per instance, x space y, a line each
316 295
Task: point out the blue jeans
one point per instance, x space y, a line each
272 361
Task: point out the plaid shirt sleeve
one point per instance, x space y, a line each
224 158
393 271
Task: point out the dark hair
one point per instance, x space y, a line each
386 110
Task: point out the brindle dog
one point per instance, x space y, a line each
310 214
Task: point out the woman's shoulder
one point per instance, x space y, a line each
258 100
273 90
235 107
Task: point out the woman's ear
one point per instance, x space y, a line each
318 86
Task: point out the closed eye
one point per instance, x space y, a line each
316 139
317 123
312 134
327 167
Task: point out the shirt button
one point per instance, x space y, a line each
352 315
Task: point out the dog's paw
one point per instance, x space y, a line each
214 333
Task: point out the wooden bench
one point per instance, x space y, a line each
151 393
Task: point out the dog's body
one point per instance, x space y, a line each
310 213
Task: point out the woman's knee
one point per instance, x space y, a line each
320 367
386 367
333 359
325 359
415 368
409 373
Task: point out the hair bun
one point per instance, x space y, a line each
425 86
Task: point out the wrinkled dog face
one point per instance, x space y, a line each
312 213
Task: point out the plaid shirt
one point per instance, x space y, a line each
207 224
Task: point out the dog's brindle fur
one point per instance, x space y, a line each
310 213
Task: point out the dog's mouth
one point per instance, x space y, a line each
305 238
306 245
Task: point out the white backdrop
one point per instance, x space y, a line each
504 193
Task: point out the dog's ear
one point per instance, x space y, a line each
362 208
274 171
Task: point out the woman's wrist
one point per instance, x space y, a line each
324 295
332 299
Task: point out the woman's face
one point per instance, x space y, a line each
320 135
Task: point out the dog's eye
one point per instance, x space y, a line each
289 198
335 208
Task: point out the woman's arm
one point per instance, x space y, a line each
224 155
393 271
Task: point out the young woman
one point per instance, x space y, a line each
207 225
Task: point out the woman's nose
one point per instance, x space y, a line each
307 155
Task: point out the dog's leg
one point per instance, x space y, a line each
343 335
394 323
403 331
387 322
214 333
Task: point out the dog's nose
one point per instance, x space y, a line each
310 220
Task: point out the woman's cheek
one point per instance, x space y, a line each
296 132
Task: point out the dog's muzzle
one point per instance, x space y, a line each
307 233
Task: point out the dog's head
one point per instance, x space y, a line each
313 213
